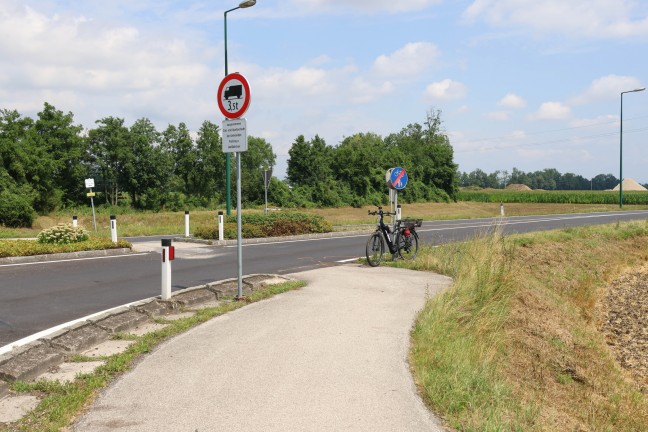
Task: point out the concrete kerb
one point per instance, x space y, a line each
62 256
29 361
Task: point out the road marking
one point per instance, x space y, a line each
475 224
504 221
300 240
348 260
36 336
72 259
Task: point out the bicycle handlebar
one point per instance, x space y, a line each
380 212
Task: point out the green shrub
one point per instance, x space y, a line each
16 210
63 234
276 224
15 248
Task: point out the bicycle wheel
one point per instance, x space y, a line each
375 249
407 244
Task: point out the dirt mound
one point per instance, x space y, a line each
520 187
630 185
626 306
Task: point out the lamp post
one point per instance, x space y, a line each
242 5
621 146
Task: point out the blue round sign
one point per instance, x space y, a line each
398 178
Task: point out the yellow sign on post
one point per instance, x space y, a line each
90 194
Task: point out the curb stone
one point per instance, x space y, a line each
28 362
63 256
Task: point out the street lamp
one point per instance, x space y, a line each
242 5
621 146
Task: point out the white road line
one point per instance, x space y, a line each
72 259
348 260
476 224
522 222
52 330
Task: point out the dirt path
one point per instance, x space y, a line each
625 323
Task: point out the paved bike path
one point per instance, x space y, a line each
331 356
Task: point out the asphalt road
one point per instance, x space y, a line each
38 296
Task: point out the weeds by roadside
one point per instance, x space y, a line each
513 344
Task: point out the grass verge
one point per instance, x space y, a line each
61 403
514 344
16 248
134 223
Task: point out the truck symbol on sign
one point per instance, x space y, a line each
235 91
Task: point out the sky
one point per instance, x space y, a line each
530 84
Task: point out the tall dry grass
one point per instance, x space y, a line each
514 345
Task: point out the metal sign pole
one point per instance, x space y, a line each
239 225
265 183
94 218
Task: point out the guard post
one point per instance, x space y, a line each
186 221
113 228
221 234
168 255
74 221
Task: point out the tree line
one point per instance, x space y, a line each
547 179
44 162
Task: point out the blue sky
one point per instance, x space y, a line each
520 83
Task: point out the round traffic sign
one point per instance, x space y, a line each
397 178
234 95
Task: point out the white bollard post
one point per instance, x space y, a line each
168 255
186 223
502 209
221 222
113 228
398 212
74 221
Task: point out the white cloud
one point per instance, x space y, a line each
320 60
411 60
294 86
608 121
497 115
607 88
445 90
579 18
512 101
367 6
363 91
519 134
552 111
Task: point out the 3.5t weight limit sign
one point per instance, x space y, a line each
234 95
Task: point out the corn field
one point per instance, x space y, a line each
554 197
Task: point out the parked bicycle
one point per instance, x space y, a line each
405 245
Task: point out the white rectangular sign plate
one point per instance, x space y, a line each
89 183
235 136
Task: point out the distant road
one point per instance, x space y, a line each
38 296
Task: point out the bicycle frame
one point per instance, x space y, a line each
384 229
